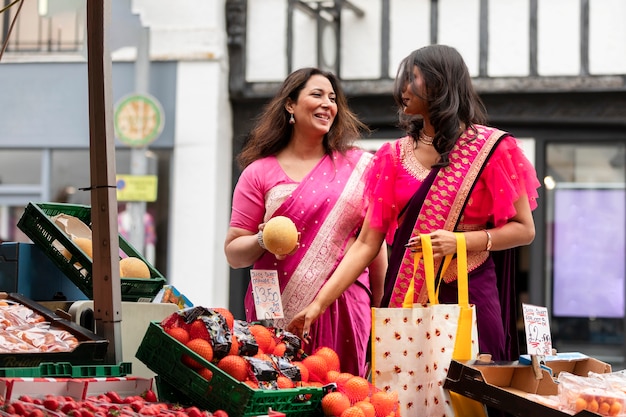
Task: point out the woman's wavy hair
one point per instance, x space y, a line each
272 131
450 94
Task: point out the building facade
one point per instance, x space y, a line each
551 72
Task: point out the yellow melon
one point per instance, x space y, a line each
133 267
83 243
280 235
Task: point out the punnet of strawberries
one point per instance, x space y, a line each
265 357
109 404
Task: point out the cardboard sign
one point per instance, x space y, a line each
538 339
266 293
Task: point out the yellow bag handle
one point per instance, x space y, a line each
429 271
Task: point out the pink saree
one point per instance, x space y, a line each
328 210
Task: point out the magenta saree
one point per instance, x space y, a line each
328 210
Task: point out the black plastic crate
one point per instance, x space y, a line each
37 224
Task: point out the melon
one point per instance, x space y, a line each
133 267
280 235
84 244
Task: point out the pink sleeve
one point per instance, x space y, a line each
508 176
248 200
380 190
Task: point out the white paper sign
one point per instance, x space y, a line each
538 339
266 293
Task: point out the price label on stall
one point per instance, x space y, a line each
538 339
266 294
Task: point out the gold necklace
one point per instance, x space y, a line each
425 139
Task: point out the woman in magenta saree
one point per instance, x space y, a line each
309 172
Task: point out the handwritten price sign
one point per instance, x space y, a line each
266 294
538 340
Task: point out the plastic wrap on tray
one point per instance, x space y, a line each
580 393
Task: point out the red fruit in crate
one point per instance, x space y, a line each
179 334
149 396
280 349
357 389
51 404
353 411
220 413
228 316
235 366
334 403
206 373
384 402
234 346
284 382
202 348
193 411
263 337
317 368
330 356
367 407
198 330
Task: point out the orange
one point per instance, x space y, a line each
353 412
330 356
198 330
342 378
334 403
228 316
331 376
263 337
179 334
133 267
206 373
234 346
580 404
367 407
280 349
202 348
604 408
357 389
317 368
280 235
284 382
251 384
384 402
304 371
593 406
235 366
615 409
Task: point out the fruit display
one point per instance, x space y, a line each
109 404
280 235
262 365
603 394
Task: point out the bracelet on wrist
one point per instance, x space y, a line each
488 240
259 238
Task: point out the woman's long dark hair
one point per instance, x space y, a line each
272 130
451 97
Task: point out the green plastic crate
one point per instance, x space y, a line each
162 354
67 370
37 224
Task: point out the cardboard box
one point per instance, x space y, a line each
513 387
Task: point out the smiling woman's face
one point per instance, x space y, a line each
316 108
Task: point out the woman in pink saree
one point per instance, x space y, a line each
300 162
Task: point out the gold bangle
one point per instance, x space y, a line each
488 240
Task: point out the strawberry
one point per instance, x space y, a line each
36 413
235 366
220 413
51 404
19 408
69 406
149 396
114 397
193 412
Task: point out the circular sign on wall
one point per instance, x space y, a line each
138 120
